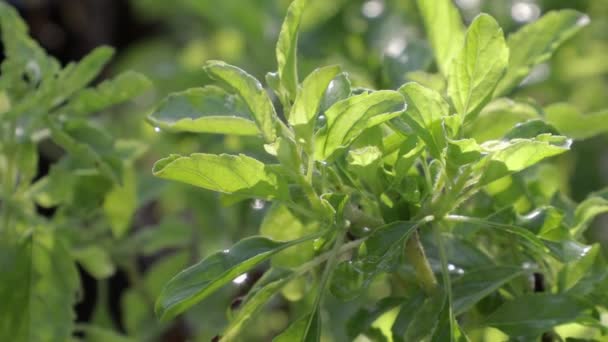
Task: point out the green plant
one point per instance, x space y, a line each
88 194
435 190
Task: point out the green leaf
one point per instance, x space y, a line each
382 250
253 305
23 54
306 106
570 122
347 119
110 92
573 272
406 315
462 152
204 110
75 77
505 158
476 284
223 173
536 42
498 117
338 89
364 317
364 157
346 281
251 91
286 49
55 282
530 129
478 67
16 265
595 204
197 282
305 329
425 111
95 260
274 227
39 285
120 203
444 29
170 233
89 143
516 318
425 317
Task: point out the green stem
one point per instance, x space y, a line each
310 169
445 272
329 267
414 251
8 181
427 176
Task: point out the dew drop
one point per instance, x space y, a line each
331 86
372 9
240 279
157 129
525 12
257 204
528 265
583 21
395 46
454 269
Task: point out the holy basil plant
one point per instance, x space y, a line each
44 106
434 192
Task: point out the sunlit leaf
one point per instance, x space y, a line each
507 157
498 117
251 91
516 318
287 48
478 67
197 282
425 111
570 122
348 118
204 110
444 29
223 173
536 42
308 100
595 204
274 227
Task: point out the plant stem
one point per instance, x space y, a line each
445 273
8 181
414 251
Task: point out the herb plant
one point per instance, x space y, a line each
50 221
435 190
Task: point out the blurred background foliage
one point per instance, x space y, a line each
380 43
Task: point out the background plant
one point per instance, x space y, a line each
88 191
